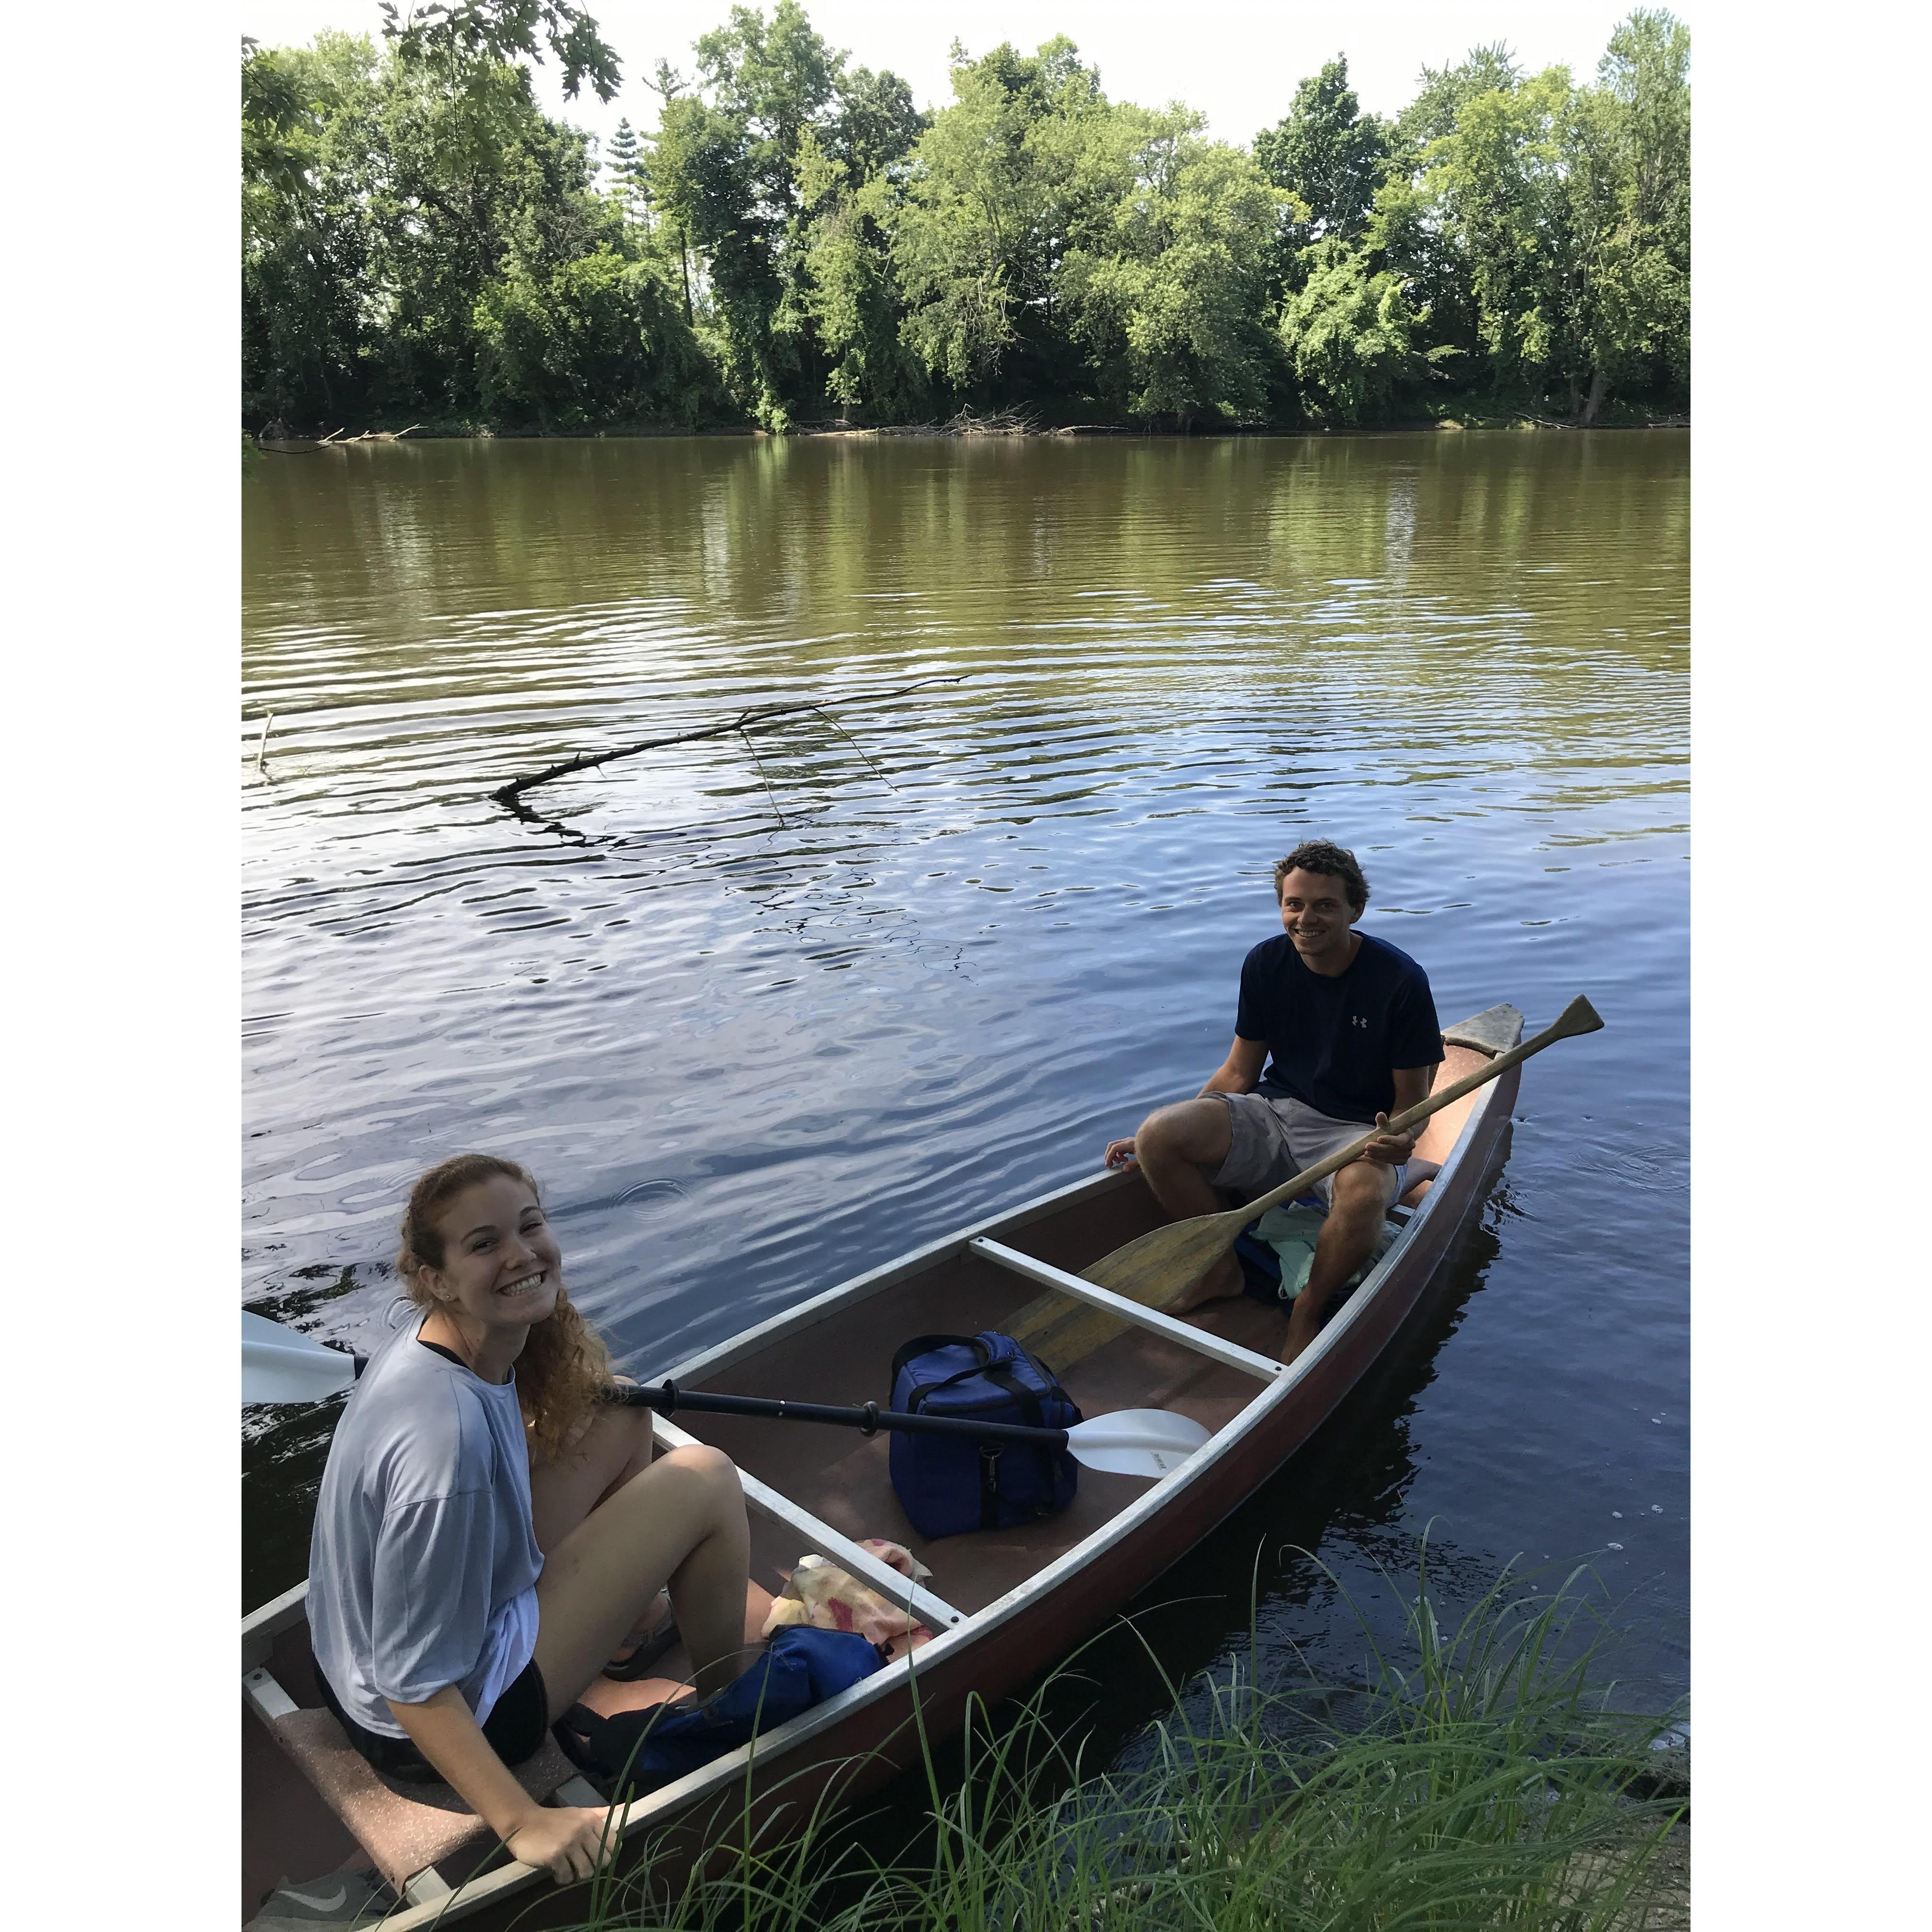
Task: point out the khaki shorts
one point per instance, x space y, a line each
1276 1137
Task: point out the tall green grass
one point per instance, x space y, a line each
1477 1775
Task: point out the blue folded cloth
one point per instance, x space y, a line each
638 1750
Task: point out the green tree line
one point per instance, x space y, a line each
795 241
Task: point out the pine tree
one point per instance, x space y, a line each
627 181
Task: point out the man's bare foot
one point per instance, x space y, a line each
1224 1279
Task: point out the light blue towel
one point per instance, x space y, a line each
1292 1231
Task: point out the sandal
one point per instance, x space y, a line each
665 1637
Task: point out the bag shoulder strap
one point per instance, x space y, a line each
922 1344
1053 1389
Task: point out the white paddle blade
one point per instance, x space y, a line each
1136 1442
279 1365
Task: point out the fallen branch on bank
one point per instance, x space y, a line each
277 434
998 422
741 725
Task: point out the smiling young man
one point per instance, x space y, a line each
1346 1026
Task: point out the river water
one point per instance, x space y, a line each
761 1016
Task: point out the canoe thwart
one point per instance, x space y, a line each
1231 1354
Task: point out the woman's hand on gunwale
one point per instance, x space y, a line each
571 1840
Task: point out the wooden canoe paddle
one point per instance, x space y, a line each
1157 1266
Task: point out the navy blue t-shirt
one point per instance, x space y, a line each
1335 1043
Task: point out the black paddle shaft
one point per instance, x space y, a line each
667 1398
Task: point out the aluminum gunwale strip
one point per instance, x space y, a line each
278 1614
1231 1354
805 1314
261 1627
914 1597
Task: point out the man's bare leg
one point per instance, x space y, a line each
1178 1147
1362 1192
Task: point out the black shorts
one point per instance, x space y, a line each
513 1729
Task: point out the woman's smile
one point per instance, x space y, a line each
500 1274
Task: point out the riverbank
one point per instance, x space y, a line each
293 441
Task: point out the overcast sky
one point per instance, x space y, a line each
1236 61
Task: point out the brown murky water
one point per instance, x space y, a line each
760 1015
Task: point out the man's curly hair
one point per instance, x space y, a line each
1321 855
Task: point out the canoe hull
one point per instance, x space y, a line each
874 1732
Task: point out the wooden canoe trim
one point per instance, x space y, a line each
926 1605
1494 1030
1230 1353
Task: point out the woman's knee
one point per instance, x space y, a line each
710 1471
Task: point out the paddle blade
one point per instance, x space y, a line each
1136 1442
1578 1016
1156 1267
279 1365
1151 1270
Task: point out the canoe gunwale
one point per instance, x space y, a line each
809 1313
661 1807
261 1626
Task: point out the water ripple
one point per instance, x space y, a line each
759 1021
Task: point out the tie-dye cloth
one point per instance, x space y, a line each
821 1595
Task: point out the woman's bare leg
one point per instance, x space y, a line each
564 1490
679 1523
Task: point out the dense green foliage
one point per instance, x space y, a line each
795 241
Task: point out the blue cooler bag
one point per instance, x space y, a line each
947 1484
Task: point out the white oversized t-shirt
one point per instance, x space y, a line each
424 1561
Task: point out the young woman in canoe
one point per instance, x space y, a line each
490 1533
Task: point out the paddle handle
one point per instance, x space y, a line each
667 1398
1578 1017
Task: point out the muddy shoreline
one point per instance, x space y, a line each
281 438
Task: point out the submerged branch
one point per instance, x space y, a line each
757 714
855 744
771 796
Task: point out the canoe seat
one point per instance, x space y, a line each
407 1830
